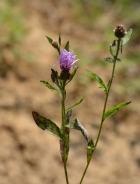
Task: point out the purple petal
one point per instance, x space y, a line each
67 59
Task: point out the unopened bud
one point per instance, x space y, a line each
55 45
65 75
54 75
120 31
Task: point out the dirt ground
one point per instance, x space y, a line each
29 155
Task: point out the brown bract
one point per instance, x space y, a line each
120 31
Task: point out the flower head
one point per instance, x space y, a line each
67 59
120 31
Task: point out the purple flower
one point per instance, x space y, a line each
67 59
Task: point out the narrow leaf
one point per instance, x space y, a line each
72 74
109 82
64 144
47 125
59 40
77 103
68 115
115 109
64 147
98 79
49 39
90 150
49 86
121 46
67 46
75 124
111 50
127 37
119 60
109 59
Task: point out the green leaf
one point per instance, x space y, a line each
115 109
98 79
67 46
109 82
49 86
49 39
119 60
111 51
127 37
47 125
75 124
90 150
109 59
77 103
68 115
72 74
64 146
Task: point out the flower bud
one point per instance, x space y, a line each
65 75
54 75
55 45
120 31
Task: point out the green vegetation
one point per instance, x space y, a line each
13 32
99 17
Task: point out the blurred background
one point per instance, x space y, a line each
29 155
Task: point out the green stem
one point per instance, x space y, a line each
66 174
108 91
63 110
85 172
64 131
105 104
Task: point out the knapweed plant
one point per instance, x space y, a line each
67 59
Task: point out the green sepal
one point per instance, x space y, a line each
127 37
75 124
115 109
47 84
72 75
47 125
67 46
98 79
90 150
49 39
77 103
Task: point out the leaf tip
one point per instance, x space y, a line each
128 102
